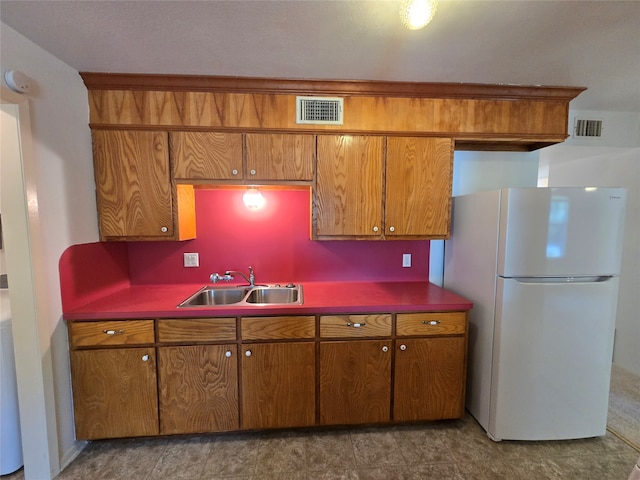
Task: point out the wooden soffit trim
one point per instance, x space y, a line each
369 88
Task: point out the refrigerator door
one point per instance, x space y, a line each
560 231
553 345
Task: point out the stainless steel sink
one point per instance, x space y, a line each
212 296
274 294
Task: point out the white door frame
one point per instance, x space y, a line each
25 263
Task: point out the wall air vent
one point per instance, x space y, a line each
588 128
319 110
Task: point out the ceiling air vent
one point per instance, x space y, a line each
588 128
319 110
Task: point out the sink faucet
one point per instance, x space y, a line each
228 276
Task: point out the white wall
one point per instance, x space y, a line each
613 161
480 172
59 116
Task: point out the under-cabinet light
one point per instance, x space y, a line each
253 199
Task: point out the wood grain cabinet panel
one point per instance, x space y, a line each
198 388
196 330
419 174
274 328
349 182
432 323
207 155
111 332
355 382
134 190
114 393
278 385
280 156
429 378
355 326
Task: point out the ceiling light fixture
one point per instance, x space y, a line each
253 199
416 14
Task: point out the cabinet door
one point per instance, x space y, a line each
418 195
280 156
198 388
278 385
348 195
114 393
207 155
133 185
429 379
355 382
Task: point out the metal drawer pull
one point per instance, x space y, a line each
431 322
113 332
356 325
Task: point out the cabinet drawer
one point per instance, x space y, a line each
266 328
114 332
432 323
197 330
355 326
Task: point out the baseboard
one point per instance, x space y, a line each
71 454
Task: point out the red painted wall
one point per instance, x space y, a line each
275 241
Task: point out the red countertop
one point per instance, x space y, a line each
160 301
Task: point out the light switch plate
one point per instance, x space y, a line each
191 260
406 259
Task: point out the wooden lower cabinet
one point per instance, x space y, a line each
429 378
278 385
355 382
198 388
115 392
136 378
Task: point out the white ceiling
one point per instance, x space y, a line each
595 44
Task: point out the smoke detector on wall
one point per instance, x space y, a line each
17 81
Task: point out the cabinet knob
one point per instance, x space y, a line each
164 229
403 347
227 354
145 358
392 229
247 353
375 229
385 349
234 172
252 172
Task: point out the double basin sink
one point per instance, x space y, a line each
211 296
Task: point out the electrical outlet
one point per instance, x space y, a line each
191 260
406 259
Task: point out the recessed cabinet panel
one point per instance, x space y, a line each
429 378
278 385
207 155
114 393
348 195
280 156
355 382
133 184
418 186
198 388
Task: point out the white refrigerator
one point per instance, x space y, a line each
541 266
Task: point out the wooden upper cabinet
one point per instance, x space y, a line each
134 191
207 155
418 186
280 156
349 181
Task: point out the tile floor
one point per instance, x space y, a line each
441 450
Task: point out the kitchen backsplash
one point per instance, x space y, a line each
275 241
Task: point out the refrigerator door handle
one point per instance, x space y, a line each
568 279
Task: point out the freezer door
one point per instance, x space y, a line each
561 231
553 346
